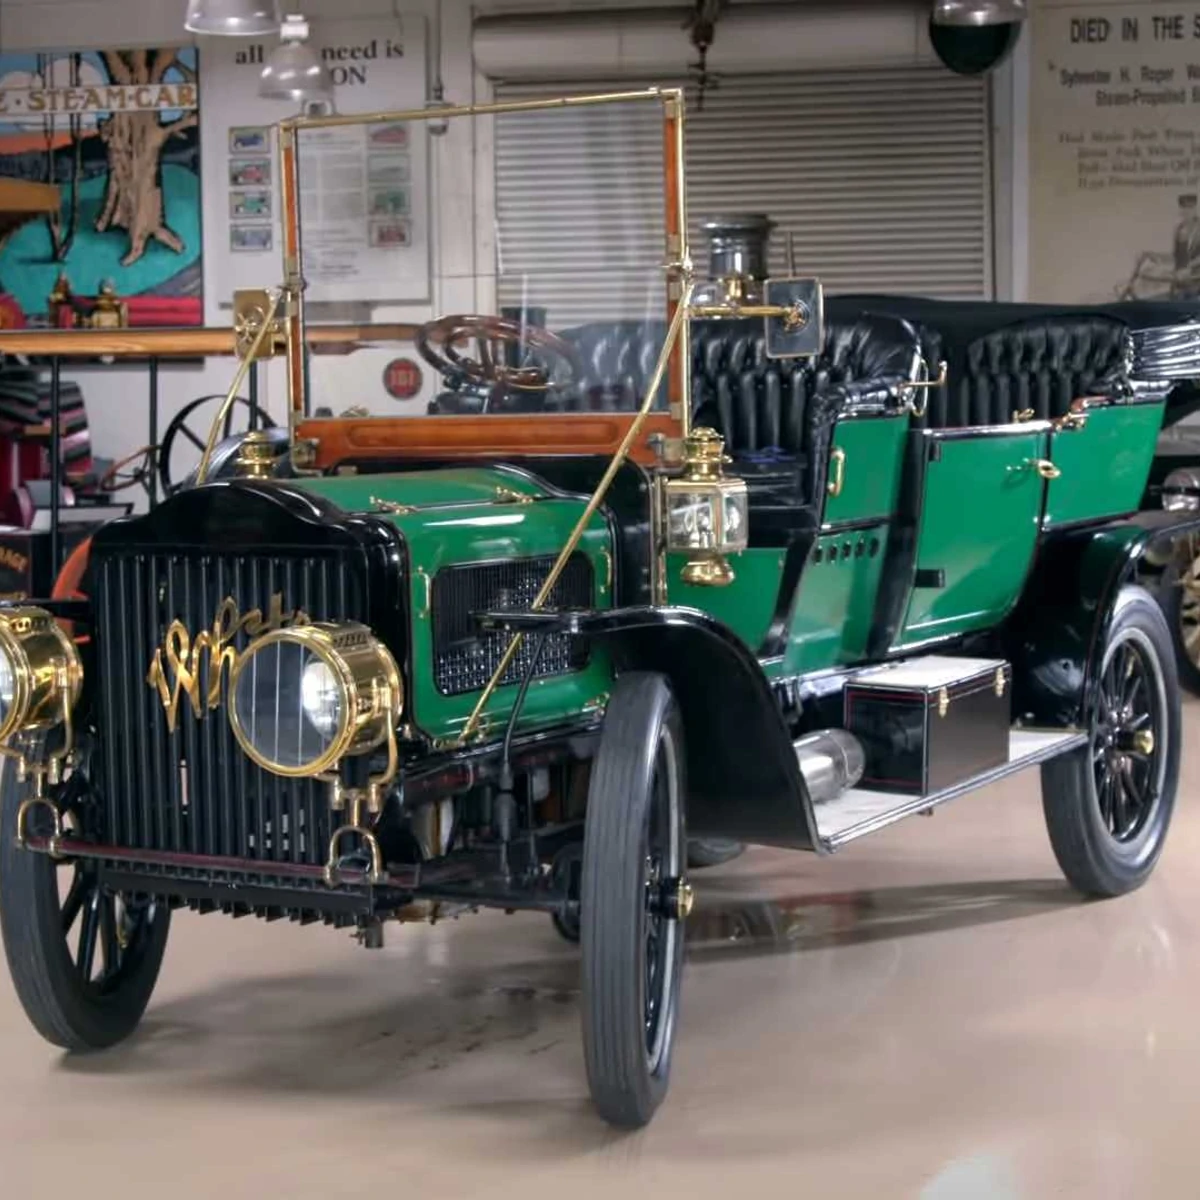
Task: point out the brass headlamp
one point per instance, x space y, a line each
304 697
706 512
41 674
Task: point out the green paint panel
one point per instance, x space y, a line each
1104 465
746 605
456 520
874 448
836 606
979 525
420 489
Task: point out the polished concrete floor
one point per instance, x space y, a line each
931 1014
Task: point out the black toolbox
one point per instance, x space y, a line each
929 723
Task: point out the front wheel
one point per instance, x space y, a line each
84 959
634 900
1108 805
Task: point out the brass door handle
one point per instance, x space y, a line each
838 470
1046 469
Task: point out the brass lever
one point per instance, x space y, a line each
838 461
794 316
929 384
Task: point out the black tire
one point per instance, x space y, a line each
712 852
633 901
1180 599
1108 805
77 998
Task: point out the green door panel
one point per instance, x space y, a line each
979 525
1104 465
747 604
836 605
451 517
874 450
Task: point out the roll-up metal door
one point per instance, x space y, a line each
881 175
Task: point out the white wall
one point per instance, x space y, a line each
116 397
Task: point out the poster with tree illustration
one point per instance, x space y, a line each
117 131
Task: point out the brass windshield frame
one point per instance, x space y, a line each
677 261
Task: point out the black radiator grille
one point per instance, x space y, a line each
465 656
193 790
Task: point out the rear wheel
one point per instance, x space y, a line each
1108 805
633 901
84 959
1181 606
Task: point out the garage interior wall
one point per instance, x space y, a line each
463 256
880 177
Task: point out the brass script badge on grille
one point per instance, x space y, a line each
178 664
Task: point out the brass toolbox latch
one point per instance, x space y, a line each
943 701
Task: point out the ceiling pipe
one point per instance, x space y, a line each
649 43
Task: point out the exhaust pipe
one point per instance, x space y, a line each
831 761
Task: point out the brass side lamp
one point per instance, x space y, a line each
706 511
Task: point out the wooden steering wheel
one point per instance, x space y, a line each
439 344
132 471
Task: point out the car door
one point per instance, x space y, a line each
979 495
1102 453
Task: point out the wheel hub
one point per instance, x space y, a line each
675 899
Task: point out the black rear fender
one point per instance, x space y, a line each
1056 635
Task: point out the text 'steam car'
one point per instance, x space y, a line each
661 572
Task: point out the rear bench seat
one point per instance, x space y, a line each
1005 359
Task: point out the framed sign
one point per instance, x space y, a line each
1114 152
364 190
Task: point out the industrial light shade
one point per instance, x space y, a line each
295 71
979 12
233 18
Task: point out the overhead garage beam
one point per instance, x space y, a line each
653 43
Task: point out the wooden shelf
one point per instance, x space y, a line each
185 343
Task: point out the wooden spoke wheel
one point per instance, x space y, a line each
1181 604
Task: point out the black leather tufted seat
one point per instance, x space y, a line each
776 415
1006 358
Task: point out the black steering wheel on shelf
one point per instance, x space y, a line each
187 435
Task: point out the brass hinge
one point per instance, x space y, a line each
1001 681
507 495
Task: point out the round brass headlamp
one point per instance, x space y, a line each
304 697
39 669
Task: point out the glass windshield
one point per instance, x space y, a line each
532 283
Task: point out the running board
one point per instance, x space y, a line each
860 811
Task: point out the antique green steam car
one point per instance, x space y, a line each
659 568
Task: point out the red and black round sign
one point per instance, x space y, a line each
402 379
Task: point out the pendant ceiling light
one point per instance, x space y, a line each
979 12
295 71
233 18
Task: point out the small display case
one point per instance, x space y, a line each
929 723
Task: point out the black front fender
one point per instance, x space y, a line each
1056 636
744 781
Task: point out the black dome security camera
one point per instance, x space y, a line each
974 49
